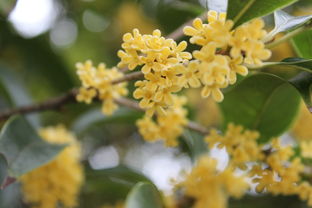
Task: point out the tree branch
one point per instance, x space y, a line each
50 104
70 97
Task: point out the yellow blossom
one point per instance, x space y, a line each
162 64
211 188
224 51
240 144
59 181
97 81
167 126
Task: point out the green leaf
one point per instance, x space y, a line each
262 102
144 195
109 185
302 44
6 6
293 63
195 143
241 11
95 116
23 149
285 22
15 92
303 83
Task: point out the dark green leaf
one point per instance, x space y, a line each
241 11
109 185
144 195
303 83
285 22
23 149
293 63
302 44
262 102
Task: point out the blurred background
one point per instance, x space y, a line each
40 42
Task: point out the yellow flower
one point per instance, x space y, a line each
211 188
217 30
162 64
240 144
247 40
154 52
98 81
86 95
168 126
225 51
59 181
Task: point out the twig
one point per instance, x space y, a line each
57 102
50 104
197 127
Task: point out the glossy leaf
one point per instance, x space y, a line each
22 148
293 63
262 102
302 44
14 91
241 11
110 185
303 83
285 22
144 195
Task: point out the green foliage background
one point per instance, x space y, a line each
34 69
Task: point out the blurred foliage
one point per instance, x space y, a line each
34 69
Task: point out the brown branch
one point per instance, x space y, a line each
57 102
50 104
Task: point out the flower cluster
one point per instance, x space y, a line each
241 145
210 187
224 51
59 181
280 174
166 127
161 60
97 82
273 168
